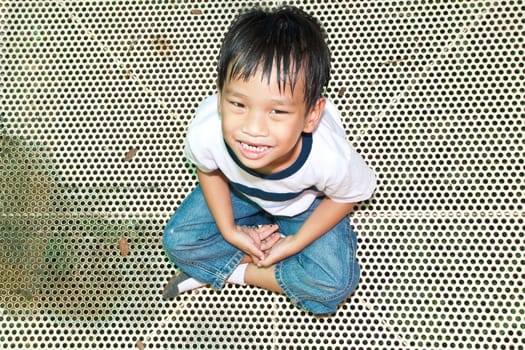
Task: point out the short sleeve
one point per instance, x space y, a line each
204 136
357 184
197 155
351 181
342 173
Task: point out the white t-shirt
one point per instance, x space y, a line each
328 165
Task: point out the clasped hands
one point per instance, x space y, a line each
263 244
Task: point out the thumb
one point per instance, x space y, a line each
255 252
267 261
270 241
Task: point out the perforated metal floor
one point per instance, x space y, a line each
96 98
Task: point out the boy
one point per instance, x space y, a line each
271 151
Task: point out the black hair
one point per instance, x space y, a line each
286 37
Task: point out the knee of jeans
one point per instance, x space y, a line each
167 238
174 245
181 239
340 282
171 238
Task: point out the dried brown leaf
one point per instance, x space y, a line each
123 246
130 154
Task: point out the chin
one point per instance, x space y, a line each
255 165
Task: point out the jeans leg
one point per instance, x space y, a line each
326 272
193 242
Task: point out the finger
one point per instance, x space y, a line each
255 260
266 262
265 231
270 241
253 235
255 253
277 253
270 259
255 239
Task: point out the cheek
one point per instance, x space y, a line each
288 136
295 129
228 126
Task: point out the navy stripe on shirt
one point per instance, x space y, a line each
269 196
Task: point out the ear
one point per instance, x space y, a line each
314 115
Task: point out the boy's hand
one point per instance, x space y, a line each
268 236
254 241
284 248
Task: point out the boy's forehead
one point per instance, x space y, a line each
259 85
290 83
281 99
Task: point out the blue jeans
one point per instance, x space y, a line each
317 279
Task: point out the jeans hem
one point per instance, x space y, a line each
226 271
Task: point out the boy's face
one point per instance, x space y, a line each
262 125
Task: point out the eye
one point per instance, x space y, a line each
236 104
278 111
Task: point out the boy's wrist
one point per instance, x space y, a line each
228 231
296 243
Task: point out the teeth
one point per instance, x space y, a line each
253 148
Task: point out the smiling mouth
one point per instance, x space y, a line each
253 148
253 151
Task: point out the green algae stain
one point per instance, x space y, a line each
53 258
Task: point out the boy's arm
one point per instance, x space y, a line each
327 214
217 195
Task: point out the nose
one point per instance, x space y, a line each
255 124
